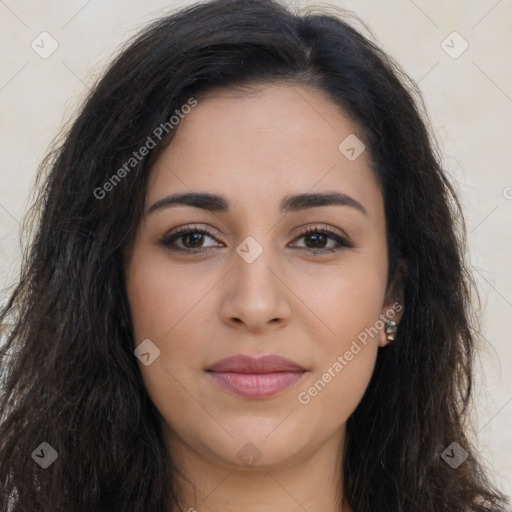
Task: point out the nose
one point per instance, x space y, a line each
256 294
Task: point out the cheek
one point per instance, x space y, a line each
335 392
161 296
167 306
344 300
349 307
162 302
343 363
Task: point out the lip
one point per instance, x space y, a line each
256 377
246 364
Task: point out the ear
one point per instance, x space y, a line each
393 306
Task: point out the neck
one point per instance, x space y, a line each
313 484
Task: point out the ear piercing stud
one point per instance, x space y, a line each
391 330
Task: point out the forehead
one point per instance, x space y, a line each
259 144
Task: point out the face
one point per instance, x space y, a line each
259 272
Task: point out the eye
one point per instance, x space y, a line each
318 237
190 239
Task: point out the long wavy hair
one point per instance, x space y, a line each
69 374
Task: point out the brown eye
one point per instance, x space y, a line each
191 240
316 240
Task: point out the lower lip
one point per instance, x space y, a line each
256 385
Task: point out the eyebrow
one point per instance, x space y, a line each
290 203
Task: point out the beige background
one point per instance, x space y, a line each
469 99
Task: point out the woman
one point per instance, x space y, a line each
247 288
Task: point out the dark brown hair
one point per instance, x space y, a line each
70 377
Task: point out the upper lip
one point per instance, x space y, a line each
242 363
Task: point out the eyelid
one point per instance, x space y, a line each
335 234
210 231
324 227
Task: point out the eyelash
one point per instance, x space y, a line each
168 240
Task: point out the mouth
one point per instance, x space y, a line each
256 377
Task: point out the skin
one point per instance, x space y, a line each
255 147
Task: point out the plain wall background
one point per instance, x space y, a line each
469 100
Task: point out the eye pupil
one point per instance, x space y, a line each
196 236
315 236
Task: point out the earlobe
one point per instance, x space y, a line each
391 317
392 314
388 333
